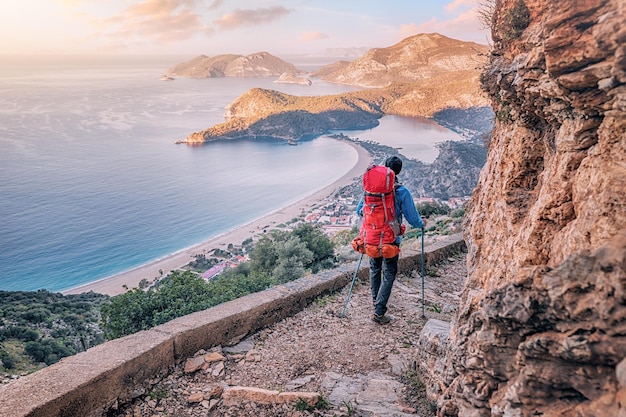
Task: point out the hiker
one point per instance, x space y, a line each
383 270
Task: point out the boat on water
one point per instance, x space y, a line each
166 78
292 142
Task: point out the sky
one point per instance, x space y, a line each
213 27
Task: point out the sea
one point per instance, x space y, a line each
92 183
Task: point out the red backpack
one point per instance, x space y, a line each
380 227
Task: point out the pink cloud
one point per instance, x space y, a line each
451 7
215 4
164 21
157 7
250 17
312 36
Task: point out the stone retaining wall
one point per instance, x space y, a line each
92 382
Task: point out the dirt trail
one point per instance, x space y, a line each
358 368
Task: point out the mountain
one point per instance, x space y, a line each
418 57
449 80
260 64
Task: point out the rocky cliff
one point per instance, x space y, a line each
541 328
260 64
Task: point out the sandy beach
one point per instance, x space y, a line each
114 285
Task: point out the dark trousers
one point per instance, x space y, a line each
382 275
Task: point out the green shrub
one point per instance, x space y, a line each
277 257
47 351
515 20
8 362
458 213
430 208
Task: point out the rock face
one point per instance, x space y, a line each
418 57
541 326
260 64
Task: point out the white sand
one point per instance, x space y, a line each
115 284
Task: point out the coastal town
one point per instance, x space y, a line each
333 214
336 211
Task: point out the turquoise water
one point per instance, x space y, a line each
92 184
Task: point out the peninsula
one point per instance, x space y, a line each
420 76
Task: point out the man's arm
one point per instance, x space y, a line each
407 206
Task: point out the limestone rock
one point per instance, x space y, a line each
235 395
433 344
214 357
541 324
195 398
194 364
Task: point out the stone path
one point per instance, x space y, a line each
317 362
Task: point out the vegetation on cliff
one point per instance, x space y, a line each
39 328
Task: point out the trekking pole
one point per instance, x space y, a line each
423 314
343 312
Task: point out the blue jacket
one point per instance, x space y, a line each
405 208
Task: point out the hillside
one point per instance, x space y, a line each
260 64
420 57
440 84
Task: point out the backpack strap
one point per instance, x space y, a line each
398 210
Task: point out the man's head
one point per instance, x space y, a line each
394 163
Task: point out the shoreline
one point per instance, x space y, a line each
114 284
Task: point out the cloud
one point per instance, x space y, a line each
463 25
451 7
215 4
312 36
250 17
164 21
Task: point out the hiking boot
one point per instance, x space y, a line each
381 319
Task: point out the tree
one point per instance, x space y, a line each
277 257
264 255
126 313
486 9
428 209
181 294
47 351
319 244
293 257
